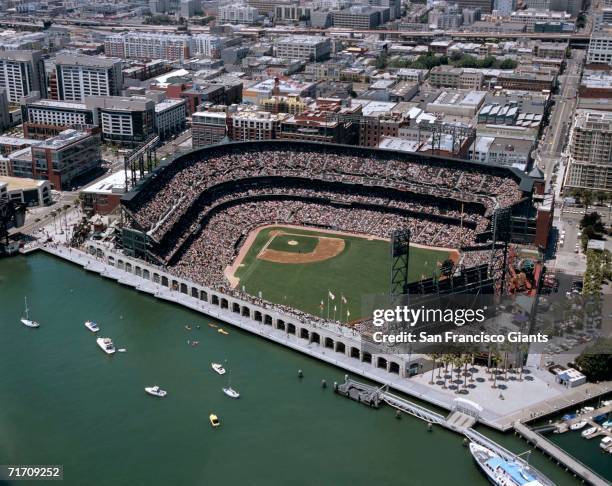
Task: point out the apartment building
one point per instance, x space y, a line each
47 118
530 17
357 17
79 76
148 46
590 163
208 45
22 72
238 14
254 125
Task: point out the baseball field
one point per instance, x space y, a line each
299 267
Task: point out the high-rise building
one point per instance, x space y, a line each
79 76
238 14
22 72
590 163
208 127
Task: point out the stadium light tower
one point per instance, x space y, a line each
400 256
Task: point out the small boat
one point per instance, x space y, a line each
210 324
587 409
230 392
92 326
218 368
122 350
195 343
607 424
26 321
106 345
606 443
578 425
188 327
222 331
214 420
156 391
589 431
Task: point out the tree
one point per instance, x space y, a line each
596 361
446 268
507 64
592 220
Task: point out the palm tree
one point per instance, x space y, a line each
433 357
457 362
467 359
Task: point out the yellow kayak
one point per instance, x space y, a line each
223 331
210 324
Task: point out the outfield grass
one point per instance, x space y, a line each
305 244
362 268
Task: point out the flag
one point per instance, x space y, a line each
343 299
322 305
331 296
348 313
334 308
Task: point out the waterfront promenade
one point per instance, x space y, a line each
525 401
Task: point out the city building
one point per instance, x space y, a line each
600 48
47 118
508 152
254 125
123 120
63 159
78 76
104 196
530 17
590 162
208 127
30 192
208 45
148 46
22 72
356 17
238 14
307 47
170 117
452 77
259 92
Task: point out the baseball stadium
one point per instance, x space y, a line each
307 226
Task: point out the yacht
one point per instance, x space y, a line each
606 443
218 368
589 431
156 391
92 326
578 425
106 345
502 472
214 420
26 321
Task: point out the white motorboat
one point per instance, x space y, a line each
92 326
106 345
230 392
606 443
26 321
218 368
156 391
587 409
578 425
589 431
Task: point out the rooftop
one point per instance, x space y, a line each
66 137
112 184
21 183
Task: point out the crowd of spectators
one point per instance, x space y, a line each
168 195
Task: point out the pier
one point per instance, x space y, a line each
563 458
458 420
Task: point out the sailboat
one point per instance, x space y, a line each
228 390
26 321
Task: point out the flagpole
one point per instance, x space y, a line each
341 301
328 304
